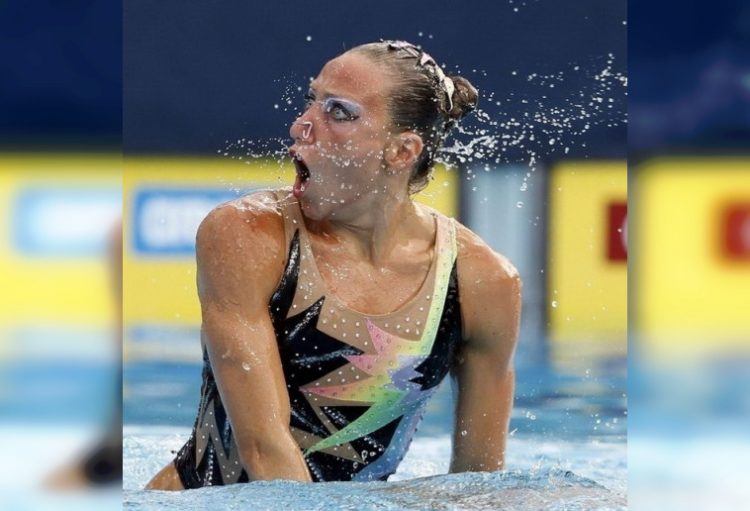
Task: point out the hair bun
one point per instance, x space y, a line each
465 98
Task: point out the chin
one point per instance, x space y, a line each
315 209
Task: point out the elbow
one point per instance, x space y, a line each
258 457
267 459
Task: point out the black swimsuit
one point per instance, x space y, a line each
357 383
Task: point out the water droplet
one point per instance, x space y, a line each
519 204
246 366
464 432
308 38
554 304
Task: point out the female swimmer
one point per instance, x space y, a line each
332 310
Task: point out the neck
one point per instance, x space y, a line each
370 225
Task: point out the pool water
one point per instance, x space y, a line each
567 448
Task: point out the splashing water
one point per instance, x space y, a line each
538 125
538 120
517 5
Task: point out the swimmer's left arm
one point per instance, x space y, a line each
484 377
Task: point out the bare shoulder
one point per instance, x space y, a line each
477 260
229 220
239 244
489 286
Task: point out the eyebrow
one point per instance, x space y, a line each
329 95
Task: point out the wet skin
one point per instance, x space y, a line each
373 246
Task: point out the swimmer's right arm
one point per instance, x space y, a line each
240 255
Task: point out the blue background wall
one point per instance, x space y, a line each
192 74
198 73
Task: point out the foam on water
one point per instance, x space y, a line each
583 474
547 489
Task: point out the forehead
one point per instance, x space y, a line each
353 76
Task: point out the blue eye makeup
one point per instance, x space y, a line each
338 108
341 109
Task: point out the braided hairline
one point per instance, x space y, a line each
444 84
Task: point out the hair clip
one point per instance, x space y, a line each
426 61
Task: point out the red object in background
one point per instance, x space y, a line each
617 248
736 231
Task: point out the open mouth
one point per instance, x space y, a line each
303 174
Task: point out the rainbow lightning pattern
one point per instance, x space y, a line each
390 368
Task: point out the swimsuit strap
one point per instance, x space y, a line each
453 243
288 206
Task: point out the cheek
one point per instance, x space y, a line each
354 147
346 135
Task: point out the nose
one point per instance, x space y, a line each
301 129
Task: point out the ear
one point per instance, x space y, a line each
403 151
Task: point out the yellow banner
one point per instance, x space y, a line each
58 211
691 255
587 293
